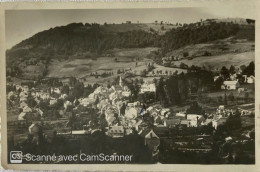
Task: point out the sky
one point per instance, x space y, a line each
22 24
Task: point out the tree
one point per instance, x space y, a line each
232 69
242 67
194 109
65 89
31 102
224 72
160 93
246 96
219 82
122 109
249 70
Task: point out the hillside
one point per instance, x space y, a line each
32 57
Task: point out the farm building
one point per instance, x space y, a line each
230 85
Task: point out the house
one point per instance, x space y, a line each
184 123
63 96
53 101
151 140
39 111
215 78
146 87
10 94
217 122
221 107
228 139
113 95
149 108
116 131
23 96
251 79
17 87
22 116
230 85
241 89
170 123
55 90
195 120
33 129
83 102
181 114
165 112
27 109
126 93
134 104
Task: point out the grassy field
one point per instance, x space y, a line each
217 62
123 59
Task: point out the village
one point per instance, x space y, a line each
52 107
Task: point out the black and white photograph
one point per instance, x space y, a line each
130 86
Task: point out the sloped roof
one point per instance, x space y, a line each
230 82
172 121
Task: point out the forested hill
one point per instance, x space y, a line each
88 39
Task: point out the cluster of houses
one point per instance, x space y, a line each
233 83
22 92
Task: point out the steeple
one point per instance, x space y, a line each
120 82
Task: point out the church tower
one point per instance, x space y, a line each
120 82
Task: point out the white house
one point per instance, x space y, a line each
251 79
230 85
146 87
194 120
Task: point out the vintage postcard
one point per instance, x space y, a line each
130 86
